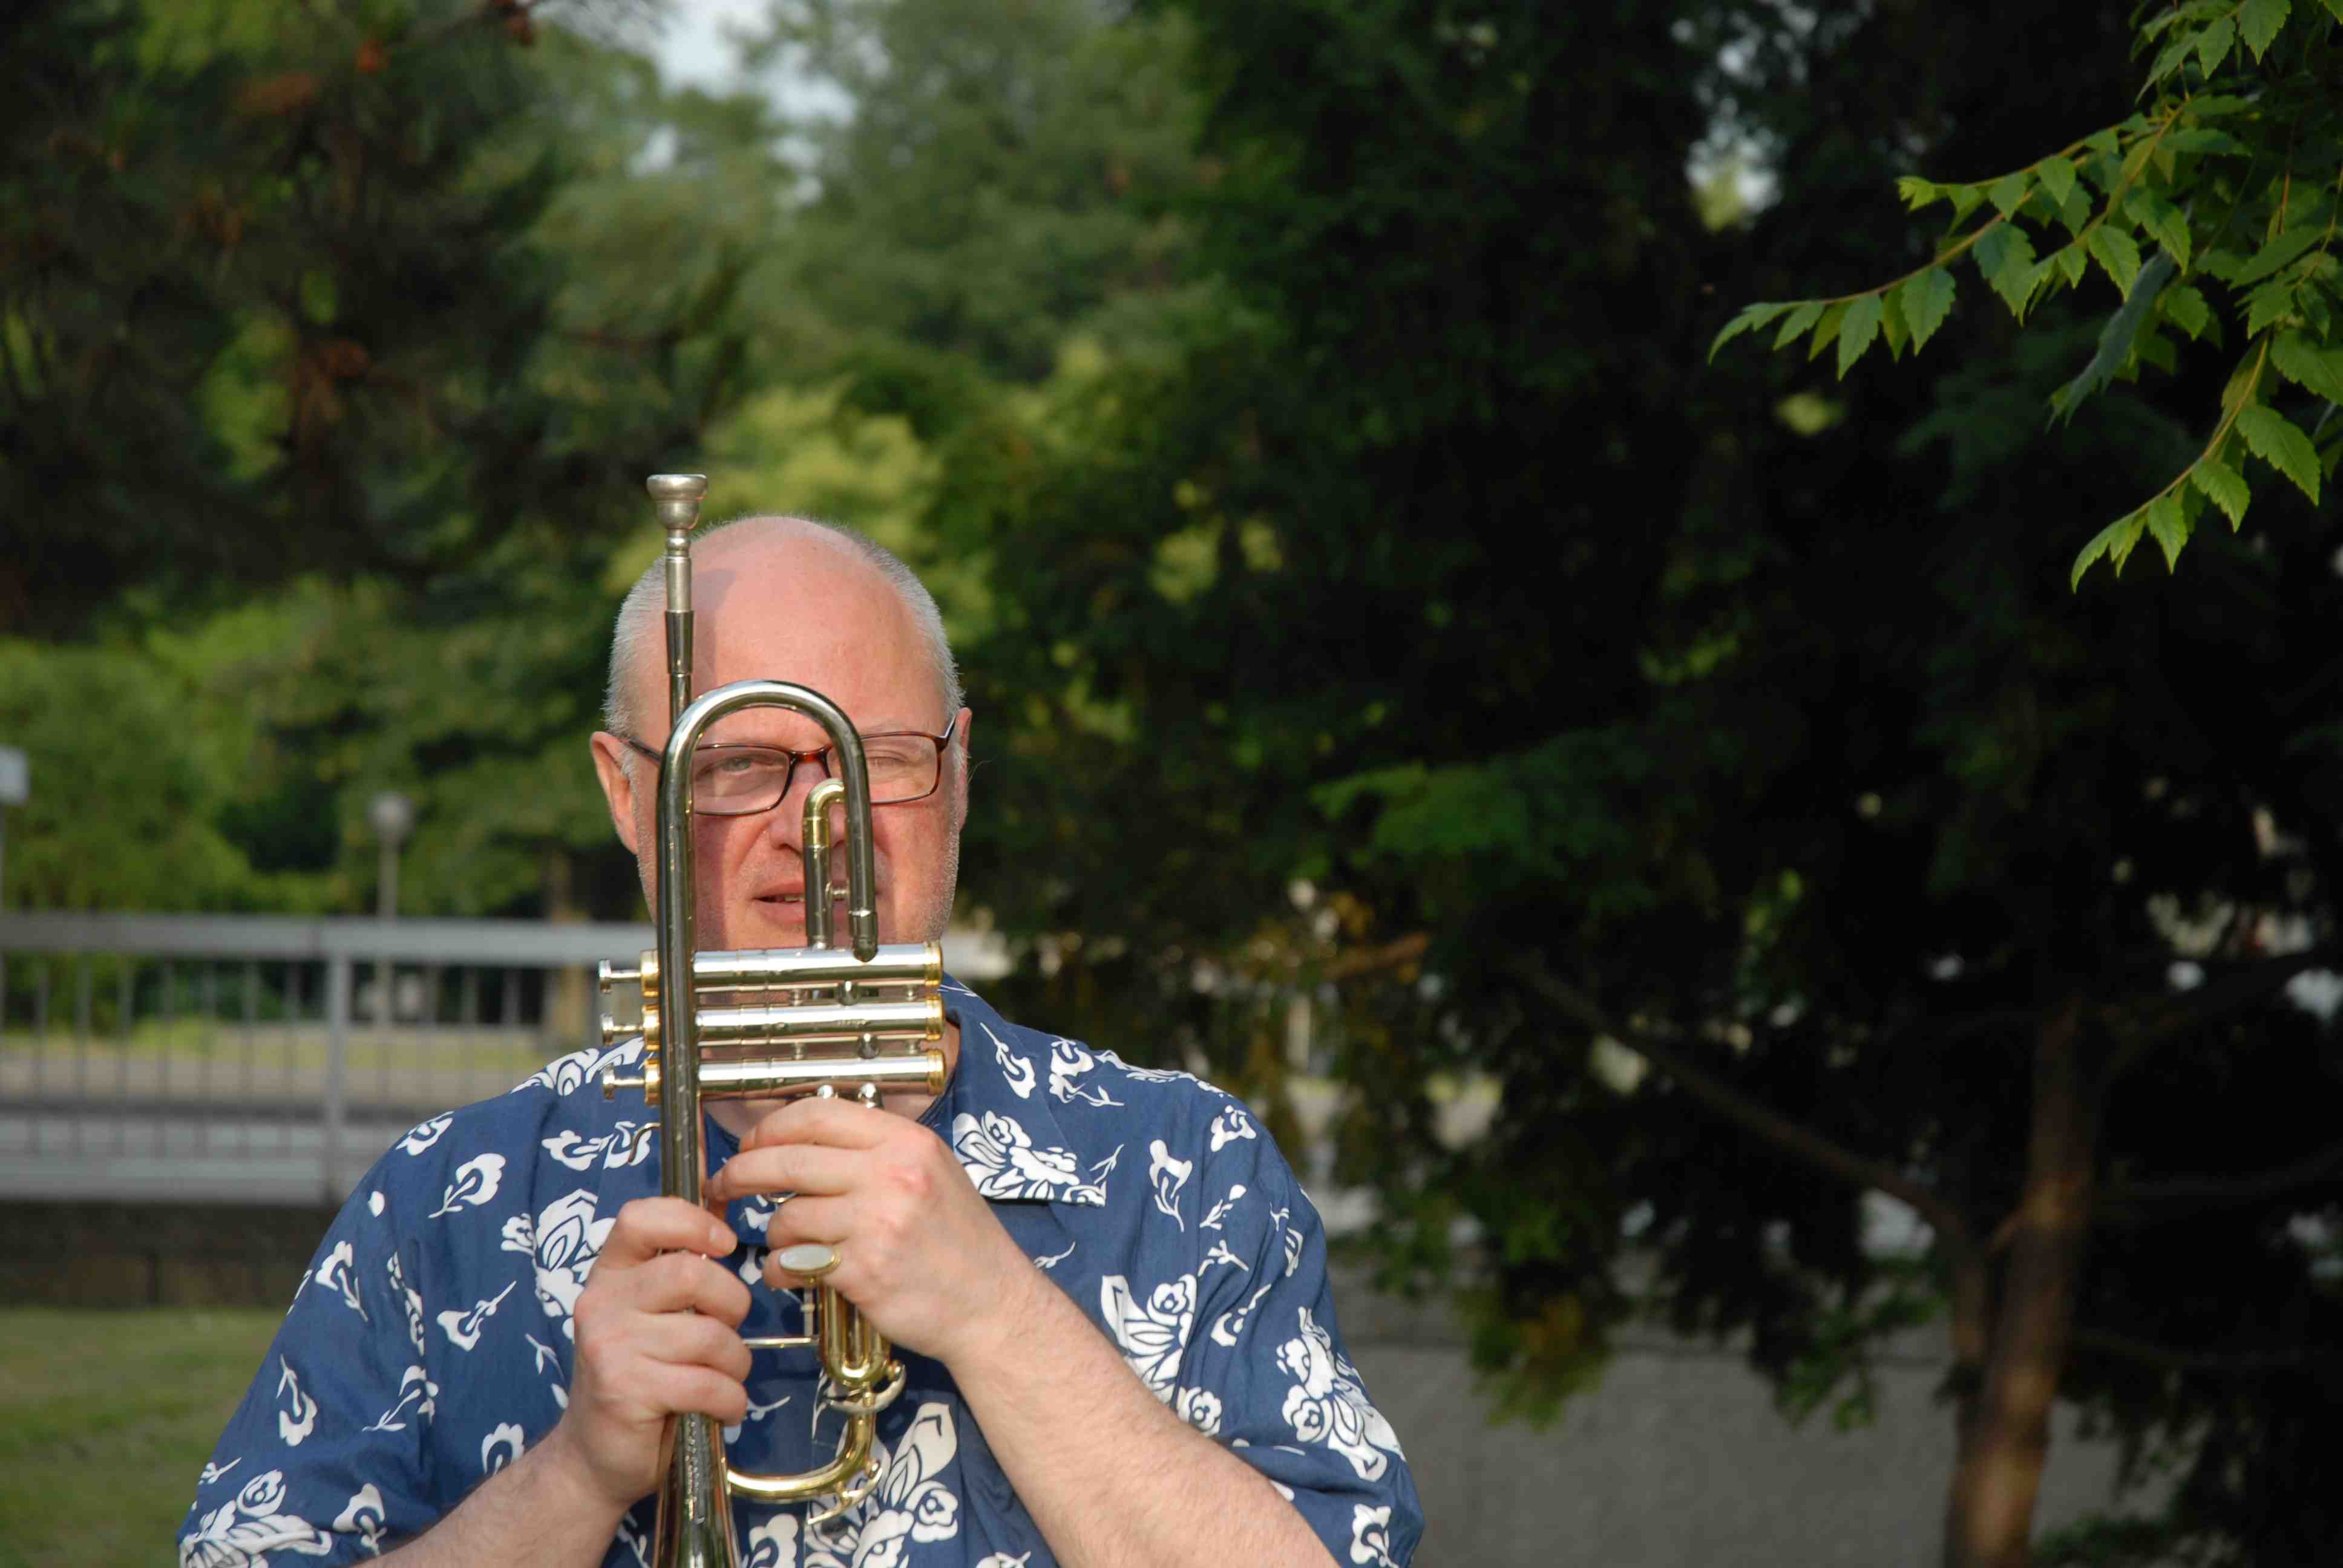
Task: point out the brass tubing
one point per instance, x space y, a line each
780 1080
853 1455
813 846
795 968
812 1024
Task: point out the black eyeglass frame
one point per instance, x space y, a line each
821 756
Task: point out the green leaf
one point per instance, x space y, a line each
2115 541
1752 317
2210 143
2276 440
2008 191
1855 333
2224 487
2164 221
2259 21
1892 327
2268 306
2168 60
2075 212
2119 252
2316 369
2168 526
1917 193
2072 262
2057 177
2278 253
2118 339
1807 313
1826 330
2336 7
1927 299
2184 306
2004 259
2212 44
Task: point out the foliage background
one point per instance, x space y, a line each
1373 598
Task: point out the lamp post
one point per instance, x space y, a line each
15 787
392 816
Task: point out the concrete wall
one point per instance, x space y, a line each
1679 1459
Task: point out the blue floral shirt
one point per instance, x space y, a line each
431 1343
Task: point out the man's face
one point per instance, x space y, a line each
778 604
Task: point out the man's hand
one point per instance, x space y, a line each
658 1329
919 1249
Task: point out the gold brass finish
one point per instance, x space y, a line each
821 1019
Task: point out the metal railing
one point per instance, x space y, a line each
266 1059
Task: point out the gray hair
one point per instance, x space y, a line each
637 635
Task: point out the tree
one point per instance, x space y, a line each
1446 649
2227 178
1001 183
401 310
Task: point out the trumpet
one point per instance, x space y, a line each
849 1021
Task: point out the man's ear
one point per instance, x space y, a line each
610 766
960 791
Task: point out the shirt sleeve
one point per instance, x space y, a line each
324 1460
1266 1372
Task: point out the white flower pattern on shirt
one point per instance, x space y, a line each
1154 1334
569 1239
1004 1163
1327 1405
239 1532
911 1505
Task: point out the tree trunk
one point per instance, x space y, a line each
2005 1432
1972 1284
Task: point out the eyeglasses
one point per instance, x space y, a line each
903 766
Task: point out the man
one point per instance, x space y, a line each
1109 1294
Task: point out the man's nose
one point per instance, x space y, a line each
786 821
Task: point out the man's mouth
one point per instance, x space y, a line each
796 895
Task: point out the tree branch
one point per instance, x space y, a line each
2177 1358
1352 962
2211 1001
1753 1116
2273 1183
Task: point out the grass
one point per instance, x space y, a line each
105 1418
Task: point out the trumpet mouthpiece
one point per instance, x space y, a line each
677 487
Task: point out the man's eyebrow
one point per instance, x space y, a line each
886 726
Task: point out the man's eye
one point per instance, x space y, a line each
734 767
890 754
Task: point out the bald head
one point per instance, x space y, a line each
735 568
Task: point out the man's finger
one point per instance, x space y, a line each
687 1338
683 1281
787 1167
649 1226
825 1220
836 1123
